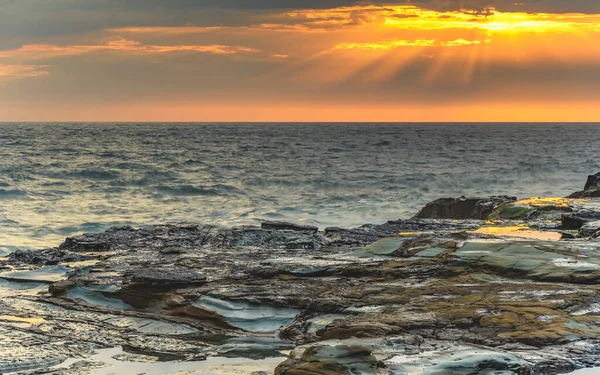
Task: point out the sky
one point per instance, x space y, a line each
299 60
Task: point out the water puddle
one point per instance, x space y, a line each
255 347
47 274
29 286
116 361
151 326
97 295
383 247
249 316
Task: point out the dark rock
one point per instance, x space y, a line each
567 236
164 279
44 257
61 287
589 229
593 181
76 244
279 225
330 360
462 208
572 222
591 189
591 193
300 246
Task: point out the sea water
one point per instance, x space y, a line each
61 179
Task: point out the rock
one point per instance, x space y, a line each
44 257
462 208
278 225
164 279
61 287
572 222
593 181
591 193
589 229
175 300
591 189
435 292
402 247
78 244
331 360
249 316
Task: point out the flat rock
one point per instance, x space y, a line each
165 279
280 225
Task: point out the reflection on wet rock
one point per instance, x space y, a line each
255 317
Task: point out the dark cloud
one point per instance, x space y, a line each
24 20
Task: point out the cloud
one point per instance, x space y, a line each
120 45
422 53
399 43
22 20
13 71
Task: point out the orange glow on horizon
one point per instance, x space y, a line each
385 63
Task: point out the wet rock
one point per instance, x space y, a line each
589 229
331 360
61 287
591 188
79 244
474 362
425 296
572 222
279 225
404 247
249 316
593 181
462 208
161 279
44 257
175 300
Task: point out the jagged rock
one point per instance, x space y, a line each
593 181
591 189
279 225
462 208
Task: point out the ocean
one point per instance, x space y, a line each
61 179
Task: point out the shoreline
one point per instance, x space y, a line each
484 284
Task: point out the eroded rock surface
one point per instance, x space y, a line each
516 294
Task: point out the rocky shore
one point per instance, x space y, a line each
494 285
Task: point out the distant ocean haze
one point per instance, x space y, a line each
58 179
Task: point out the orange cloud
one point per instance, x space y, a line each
7 71
391 44
122 45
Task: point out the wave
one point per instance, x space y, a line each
12 193
187 191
